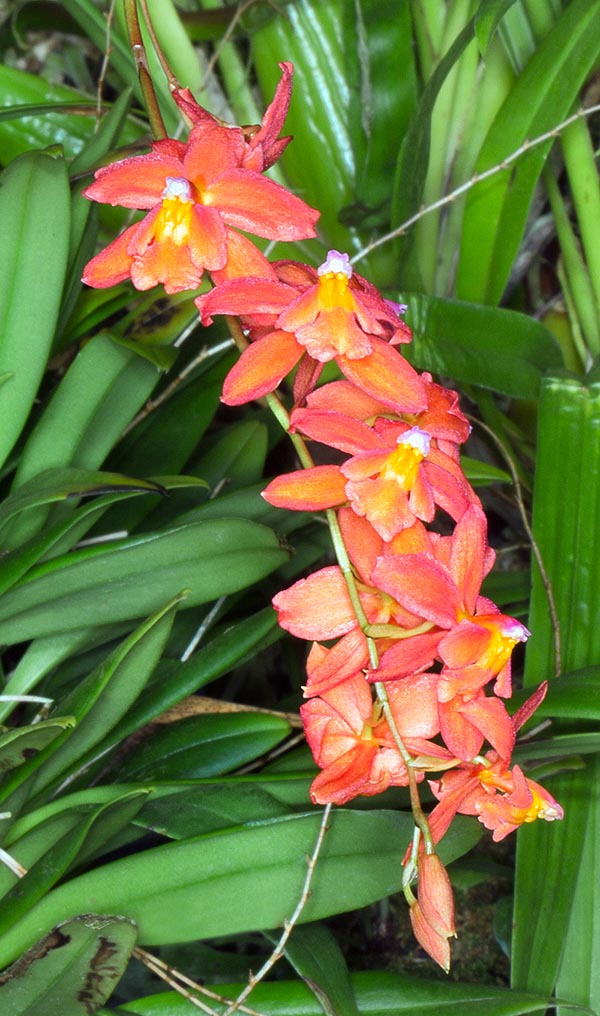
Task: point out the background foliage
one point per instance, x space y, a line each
138 559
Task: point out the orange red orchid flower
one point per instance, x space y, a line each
325 314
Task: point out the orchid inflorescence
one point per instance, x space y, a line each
409 666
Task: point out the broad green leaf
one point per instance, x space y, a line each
497 209
574 696
547 869
455 338
241 879
223 802
325 113
579 976
43 655
132 577
236 458
99 701
72 970
377 993
34 240
199 746
203 809
57 539
18 745
41 122
387 102
550 922
315 955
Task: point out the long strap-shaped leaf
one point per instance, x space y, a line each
555 901
34 243
497 209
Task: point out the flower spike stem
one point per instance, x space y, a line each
139 55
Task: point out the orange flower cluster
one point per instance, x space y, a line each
409 667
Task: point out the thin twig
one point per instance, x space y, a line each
172 80
180 983
475 179
534 546
12 864
288 926
138 51
153 404
203 628
105 62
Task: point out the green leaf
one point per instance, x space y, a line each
488 17
497 209
455 338
548 862
201 746
175 681
59 538
243 878
59 484
413 160
32 117
34 240
61 853
132 577
573 696
192 811
70 971
578 977
236 458
103 388
481 474
17 746
315 955
316 38
377 993
102 698
43 655
36 833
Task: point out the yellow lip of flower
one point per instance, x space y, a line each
334 275
173 221
403 463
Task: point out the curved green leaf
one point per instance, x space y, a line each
59 484
314 954
104 696
72 970
61 853
19 745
